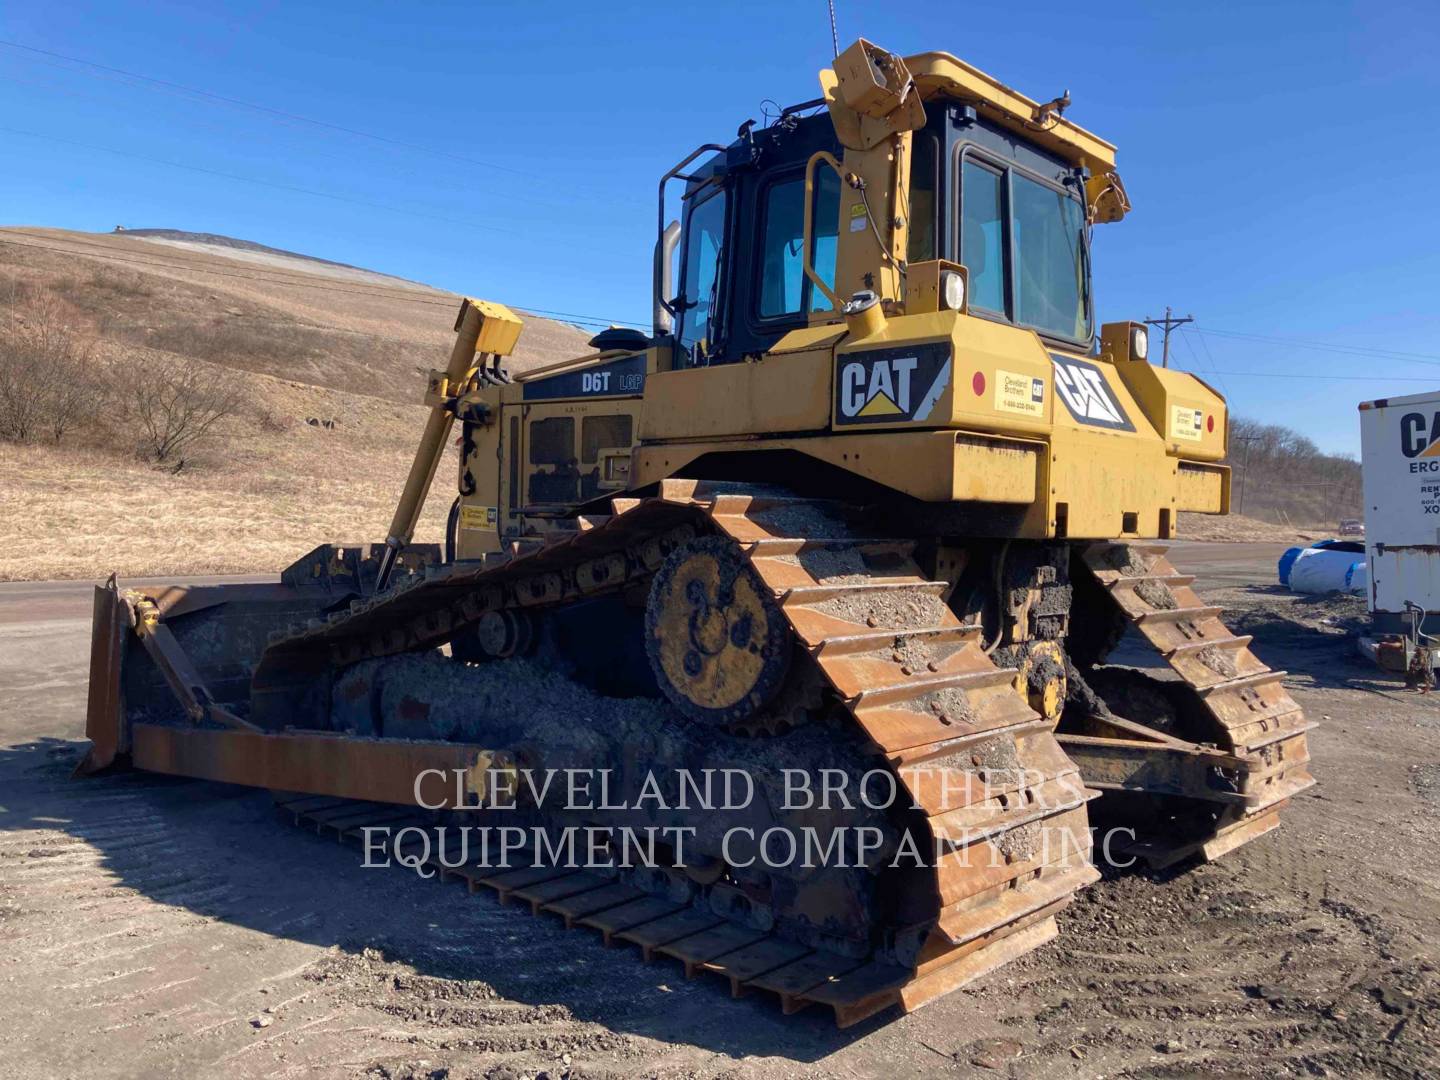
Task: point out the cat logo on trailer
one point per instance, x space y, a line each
891 386
1420 438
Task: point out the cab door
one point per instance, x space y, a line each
701 262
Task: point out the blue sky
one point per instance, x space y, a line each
1280 155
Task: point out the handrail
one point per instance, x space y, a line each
815 159
661 301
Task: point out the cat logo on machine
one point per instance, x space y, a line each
1087 395
891 386
1420 440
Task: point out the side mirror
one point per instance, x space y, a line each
664 279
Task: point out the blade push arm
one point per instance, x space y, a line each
484 332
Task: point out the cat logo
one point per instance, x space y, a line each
1421 439
1087 395
892 386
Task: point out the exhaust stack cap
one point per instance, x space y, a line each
863 314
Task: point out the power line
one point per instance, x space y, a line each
1354 350
262 183
1307 375
267 278
170 259
410 169
273 112
174 258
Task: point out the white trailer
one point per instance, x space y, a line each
1400 464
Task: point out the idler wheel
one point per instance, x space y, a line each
717 642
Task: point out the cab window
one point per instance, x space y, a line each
1024 243
1050 260
700 278
784 288
924 182
981 236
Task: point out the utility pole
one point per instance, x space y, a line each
1169 324
1244 469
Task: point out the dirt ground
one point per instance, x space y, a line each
167 928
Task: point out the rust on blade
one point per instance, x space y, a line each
380 770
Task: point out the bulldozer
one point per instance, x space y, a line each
873 501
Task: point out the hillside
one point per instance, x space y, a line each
1280 476
307 340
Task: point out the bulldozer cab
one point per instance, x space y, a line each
738 266
976 193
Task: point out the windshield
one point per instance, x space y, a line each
1023 243
1049 230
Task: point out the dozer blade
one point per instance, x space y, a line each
1247 754
109 629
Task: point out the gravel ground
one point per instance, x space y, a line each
172 928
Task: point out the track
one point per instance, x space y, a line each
1003 806
1247 711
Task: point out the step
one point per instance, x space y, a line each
751 961
1244 682
1183 614
1173 580
818 594
906 745
1281 734
1232 642
774 546
882 640
908 691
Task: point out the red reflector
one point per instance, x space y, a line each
978 382
1210 423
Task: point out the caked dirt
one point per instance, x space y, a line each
159 927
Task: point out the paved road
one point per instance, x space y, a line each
45 653
1224 564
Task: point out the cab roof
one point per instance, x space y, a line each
940 76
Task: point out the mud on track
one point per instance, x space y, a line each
149 924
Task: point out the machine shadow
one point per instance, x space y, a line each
245 865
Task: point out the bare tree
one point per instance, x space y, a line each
175 404
47 372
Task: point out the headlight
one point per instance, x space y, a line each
1139 343
952 291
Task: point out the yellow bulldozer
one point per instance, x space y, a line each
860 520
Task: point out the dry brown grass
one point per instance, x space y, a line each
1237 528
268 486
256 503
